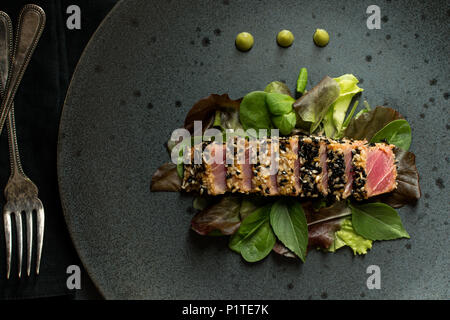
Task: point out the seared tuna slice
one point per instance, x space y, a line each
214 157
381 170
359 172
194 173
288 171
265 170
310 168
239 173
336 166
322 179
374 170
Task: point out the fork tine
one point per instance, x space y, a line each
18 218
29 217
40 219
8 240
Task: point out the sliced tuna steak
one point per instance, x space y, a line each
380 170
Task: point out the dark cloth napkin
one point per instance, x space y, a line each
38 106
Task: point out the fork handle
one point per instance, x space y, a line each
29 30
6 48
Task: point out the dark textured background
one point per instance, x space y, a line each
38 104
149 63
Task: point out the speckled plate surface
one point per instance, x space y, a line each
151 60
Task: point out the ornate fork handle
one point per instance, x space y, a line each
20 192
31 25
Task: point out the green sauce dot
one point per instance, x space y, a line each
244 41
321 37
285 38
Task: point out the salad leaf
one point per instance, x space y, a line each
285 123
348 88
347 120
222 215
205 109
289 224
346 236
254 113
377 221
328 124
282 250
313 106
366 108
279 104
254 239
323 234
316 215
201 202
250 204
368 124
408 189
166 178
397 132
278 87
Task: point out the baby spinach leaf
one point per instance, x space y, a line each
250 204
278 87
254 113
285 123
397 132
254 239
289 224
313 105
279 104
377 221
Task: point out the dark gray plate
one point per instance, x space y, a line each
151 60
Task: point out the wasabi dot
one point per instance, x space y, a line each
285 38
244 41
321 37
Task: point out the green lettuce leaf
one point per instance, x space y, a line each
333 121
347 236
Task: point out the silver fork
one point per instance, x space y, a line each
20 192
